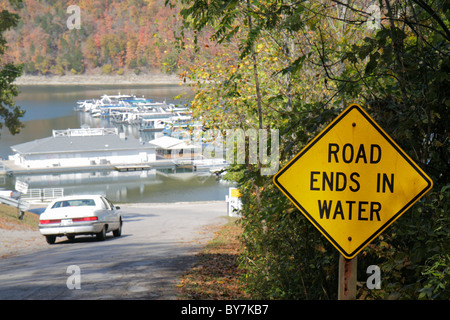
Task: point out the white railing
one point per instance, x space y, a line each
52 193
84 132
43 195
32 194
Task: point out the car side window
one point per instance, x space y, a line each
105 203
110 204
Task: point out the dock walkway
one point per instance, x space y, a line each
8 167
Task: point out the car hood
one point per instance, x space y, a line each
68 213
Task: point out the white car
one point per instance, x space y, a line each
10 194
80 215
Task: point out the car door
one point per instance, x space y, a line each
115 214
111 215
105 211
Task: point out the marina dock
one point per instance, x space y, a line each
86 149
132 168
8 167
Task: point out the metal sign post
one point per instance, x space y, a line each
347 278
22 187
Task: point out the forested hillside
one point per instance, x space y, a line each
114 37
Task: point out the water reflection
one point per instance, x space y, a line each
151 186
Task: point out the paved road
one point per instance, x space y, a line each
158 243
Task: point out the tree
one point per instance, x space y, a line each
10 114
323 56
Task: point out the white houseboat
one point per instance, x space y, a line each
83 147
175 149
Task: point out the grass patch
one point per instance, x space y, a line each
216 275
9 219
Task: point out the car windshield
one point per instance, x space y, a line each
74 203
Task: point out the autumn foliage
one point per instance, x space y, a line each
114 37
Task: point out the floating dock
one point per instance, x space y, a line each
8 167
125 168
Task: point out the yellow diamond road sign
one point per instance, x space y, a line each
352 181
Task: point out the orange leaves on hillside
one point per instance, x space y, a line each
116 33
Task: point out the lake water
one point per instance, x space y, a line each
52 107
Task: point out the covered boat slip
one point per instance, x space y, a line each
97 149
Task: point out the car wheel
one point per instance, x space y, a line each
118 232
50 239
70 238
102 234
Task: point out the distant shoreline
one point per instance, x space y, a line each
126 79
